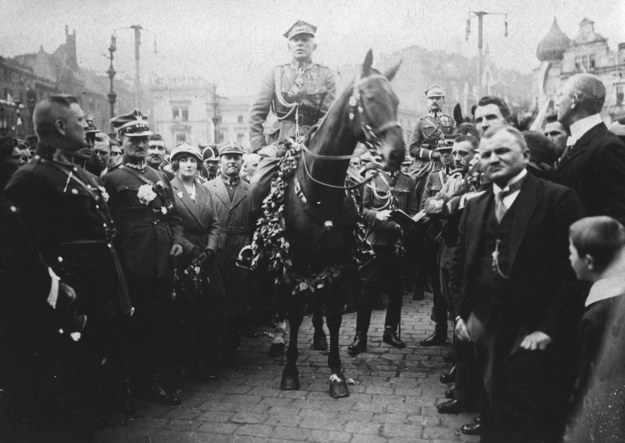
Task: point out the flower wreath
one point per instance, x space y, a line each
269 242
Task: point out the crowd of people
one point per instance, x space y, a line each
120 276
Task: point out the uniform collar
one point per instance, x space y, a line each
305 66
230 181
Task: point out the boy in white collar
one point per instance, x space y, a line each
597 246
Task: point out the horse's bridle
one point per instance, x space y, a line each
370 140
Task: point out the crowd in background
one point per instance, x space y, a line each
119 259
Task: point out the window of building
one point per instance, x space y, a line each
221 138
591 62
7 75
181 138
180 113
620 93
240 138
578 63
585 62
239 119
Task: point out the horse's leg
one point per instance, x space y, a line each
290 375
280 302
320 341
338 385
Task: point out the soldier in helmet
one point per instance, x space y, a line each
299 93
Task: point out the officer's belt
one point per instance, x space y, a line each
302 119
140 215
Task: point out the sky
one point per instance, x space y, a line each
235 42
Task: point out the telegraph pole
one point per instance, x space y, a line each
137 29
480 39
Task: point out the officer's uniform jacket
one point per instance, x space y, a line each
429 130
312 87
65 211
146 232
376 198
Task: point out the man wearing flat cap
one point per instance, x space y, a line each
150 236
231 202
299 94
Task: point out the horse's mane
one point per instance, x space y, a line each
342 98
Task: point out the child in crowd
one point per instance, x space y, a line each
597 246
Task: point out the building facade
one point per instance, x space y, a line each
561 57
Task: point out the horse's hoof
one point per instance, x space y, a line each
276 350
338 387
320 342
290 380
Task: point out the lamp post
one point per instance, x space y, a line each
480 37
112 96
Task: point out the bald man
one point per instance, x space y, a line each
595 165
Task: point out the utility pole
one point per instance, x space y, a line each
480 39
137 29
216 114
112 95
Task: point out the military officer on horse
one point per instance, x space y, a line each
299 93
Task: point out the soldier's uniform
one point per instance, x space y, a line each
301 92
428 134
64 209
386 191
143 206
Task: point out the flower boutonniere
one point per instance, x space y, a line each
105 195
160 185
146 194
179 194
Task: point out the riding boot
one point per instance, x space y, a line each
359 344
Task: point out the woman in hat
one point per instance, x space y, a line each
197 301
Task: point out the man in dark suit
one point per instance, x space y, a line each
513 291
594 165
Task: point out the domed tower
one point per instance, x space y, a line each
550 52
553 45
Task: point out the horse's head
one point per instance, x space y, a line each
376 104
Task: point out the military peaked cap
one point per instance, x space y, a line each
300 27
133 124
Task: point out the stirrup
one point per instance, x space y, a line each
244 259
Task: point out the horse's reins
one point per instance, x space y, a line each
370 136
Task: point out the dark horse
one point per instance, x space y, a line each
321 216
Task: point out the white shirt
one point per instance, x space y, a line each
581 127
508 200
606 288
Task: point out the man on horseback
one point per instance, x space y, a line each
299 94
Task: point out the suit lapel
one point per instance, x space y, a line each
186 200
479 217
221 192
578 147
240 193
526 203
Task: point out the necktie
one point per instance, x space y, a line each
500 207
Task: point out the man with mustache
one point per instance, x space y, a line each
150 237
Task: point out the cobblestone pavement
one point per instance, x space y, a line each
393 397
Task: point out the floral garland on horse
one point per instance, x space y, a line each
270 243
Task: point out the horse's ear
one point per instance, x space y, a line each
390 73
366 66
458 114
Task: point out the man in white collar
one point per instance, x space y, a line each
512 291
595 164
